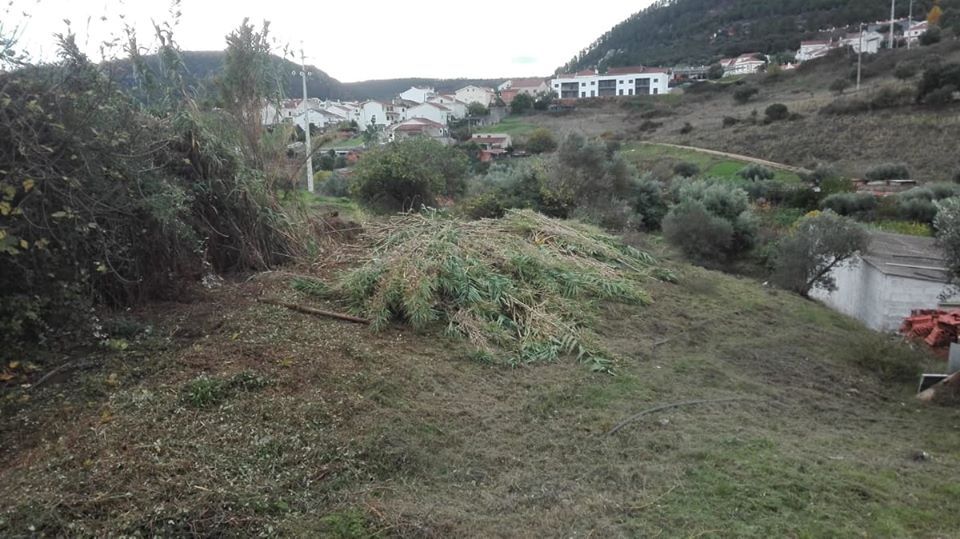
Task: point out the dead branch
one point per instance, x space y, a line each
74 364
315 312
635 417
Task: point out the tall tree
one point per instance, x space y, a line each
248 78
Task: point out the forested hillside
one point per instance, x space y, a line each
700 31
387 88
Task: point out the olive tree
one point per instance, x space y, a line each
947 224
817 245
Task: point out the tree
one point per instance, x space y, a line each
818 244
686 169
712 221
777 112
248 78
931 36
888 171
755 172
521 103
715 72
839 86
744 94
477 110
406 174
905 70
371 135
544 100
541 141
947 225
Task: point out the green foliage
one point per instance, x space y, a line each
730 121
904 227
892 361
744 94
405 175
205 391
888 171
858 205
816 246
755 172
477 110
541 141
649 203
352 524
686 129
544 100
939 83
715 72
336 185
918 204
88 175
712 221
947 225
686 169
905 70
522 103
776 112
520 288
838 86
931 36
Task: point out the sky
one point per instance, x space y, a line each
351 41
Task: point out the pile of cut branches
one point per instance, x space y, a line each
522 289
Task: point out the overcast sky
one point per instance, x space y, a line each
353 40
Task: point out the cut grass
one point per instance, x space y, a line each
511 125
397 434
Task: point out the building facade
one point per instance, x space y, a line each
623 81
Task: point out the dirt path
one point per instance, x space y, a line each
738 157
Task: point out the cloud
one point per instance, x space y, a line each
524 60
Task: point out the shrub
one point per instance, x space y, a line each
944 79
686 169
846 106
686 129
777 112
905 70
541 141
850 204
890 97
521 104
817 245
715 72
947 225
649 204
888 171
839 86
701 235
336 185
729 121
756 172
407 174
942 96
931 36
744 94
917 209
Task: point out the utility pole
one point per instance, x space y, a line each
910 22
893 13
860 57
306 122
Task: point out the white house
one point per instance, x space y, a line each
317 118
870 41
420 95
915 30
745 64
493 141
896 275
418 127
344 112
617 81
371 112
476 94
431 111
457 107
811 50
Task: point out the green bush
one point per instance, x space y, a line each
686 129
931 36
407 174
336 185
905 70
888 171
744 94
938 83
648 203
756 172
686 169
815 246
777 112
917 209
541 141
730 121
890 97
858 205
839 86
704 205
846 106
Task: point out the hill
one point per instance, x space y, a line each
701 31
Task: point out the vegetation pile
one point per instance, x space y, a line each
522 289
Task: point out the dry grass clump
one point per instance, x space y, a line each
522 288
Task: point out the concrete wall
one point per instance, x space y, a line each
878 300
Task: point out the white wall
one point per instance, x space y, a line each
474 94
419 95
659 84
429 112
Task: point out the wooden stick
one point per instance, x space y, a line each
315 312
635 417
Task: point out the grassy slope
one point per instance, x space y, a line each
648 157
513 126
398 433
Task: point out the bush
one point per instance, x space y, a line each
839 86
938 83
729 121
850 204
816 246
521 104
890 97
744 94
686 129
917 210
905 70
541 141
686 169
947 225
888 171
756 172
931 36
335 186
720 211
405 175
649 204
777 112
846 106
715 72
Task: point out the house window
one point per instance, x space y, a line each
583 84
592 93
583 94
621 91
630 92
593 83
621 82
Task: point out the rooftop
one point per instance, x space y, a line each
913 257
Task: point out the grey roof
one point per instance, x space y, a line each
913 257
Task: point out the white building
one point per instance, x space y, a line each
871 42
616 82
457 108
896 275
371 112
476 94
811 50
420 95
745 64
915 30
317 118
418 127
431 111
